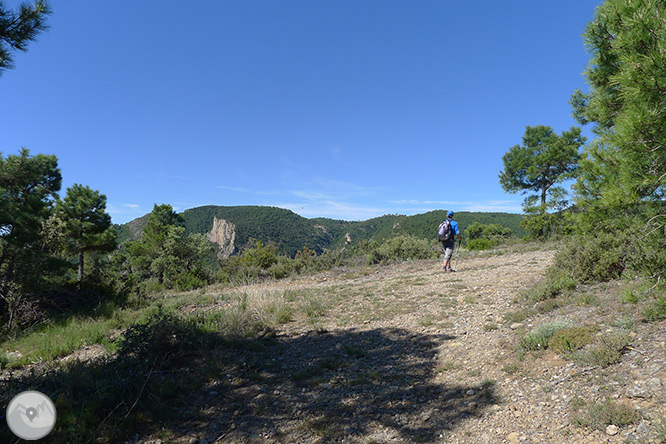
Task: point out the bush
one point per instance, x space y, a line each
282 268
400 248
570 339
481 244
607 351
557 281
595 259
657 311
600 415
539 337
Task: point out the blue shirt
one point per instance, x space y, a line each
454 227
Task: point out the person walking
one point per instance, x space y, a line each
448 229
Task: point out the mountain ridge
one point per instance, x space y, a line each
291 232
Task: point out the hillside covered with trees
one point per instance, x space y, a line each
291 232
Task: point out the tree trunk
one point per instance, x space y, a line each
80 275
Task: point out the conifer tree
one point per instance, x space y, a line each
626 164
87 224
543 159
28 187
19 28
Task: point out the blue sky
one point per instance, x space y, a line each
348 109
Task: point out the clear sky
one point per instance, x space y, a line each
348 109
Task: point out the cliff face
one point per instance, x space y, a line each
223 234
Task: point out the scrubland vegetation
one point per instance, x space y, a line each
166 314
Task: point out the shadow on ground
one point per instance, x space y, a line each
179 382
358 385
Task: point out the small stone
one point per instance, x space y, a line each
213 393
203 441
643 428
612 430
470 392
512 437
516 325
635 392
194 441
325 386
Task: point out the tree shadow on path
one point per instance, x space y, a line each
172 380
377 384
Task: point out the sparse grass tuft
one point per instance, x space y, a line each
425 321
626 322
557 281
313 306
598 415
447 366
657 311
519 315
607 351
510 368
271 308
538 338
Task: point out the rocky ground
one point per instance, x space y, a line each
407 353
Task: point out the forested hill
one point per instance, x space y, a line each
292 232
420 225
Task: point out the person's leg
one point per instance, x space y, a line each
448 252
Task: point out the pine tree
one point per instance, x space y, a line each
87 224
543 160
28 187
19 28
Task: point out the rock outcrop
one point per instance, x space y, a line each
223 234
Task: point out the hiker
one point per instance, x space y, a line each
448 229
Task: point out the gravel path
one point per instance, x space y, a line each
407 353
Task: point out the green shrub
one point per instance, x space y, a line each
557 281
596 258
570 339
190 280
400 248
607 351
259 255
282 268
538 338
158 335
481 244
657 311
598 415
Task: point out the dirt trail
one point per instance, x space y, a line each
407 353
